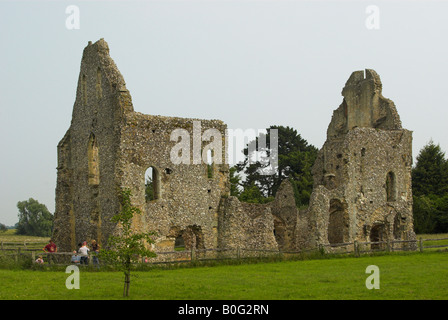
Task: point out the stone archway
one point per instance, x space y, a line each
377 234
280 233
190 237
337 222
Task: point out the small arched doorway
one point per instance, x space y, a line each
280 233
337 223
377 234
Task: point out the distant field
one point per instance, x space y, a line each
10 236
407 276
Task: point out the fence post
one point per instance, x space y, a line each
2 245
388 245
17 255
238 253
421 244
356 248
192 255
33 256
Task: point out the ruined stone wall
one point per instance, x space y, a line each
86 188
187 197
286 215
109 147
362 175
245 225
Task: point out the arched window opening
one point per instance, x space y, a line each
152 184
93 159
210 164
391 192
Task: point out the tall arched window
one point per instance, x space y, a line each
93 158
152 184
391 192
210 164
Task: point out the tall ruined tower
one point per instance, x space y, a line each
362 176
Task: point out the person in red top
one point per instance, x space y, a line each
50 248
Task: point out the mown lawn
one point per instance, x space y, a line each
402 276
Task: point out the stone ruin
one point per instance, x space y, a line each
362 176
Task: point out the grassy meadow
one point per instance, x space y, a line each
403 276
11 236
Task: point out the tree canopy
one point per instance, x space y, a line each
295 159
34 219
430 190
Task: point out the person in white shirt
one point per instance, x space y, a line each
84 253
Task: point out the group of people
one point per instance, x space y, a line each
82 255
79 257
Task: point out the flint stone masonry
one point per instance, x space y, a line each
362 176
362 181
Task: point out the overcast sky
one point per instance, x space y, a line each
251 64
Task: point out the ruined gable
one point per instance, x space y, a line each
88 154
109 147
362 175
363 106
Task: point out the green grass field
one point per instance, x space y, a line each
402 276
11 236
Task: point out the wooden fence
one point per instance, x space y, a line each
20 249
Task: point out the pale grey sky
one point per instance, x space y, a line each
249 63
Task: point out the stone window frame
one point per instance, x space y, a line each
156 183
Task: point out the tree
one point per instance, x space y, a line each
295 159
127 247
235 180
149 189
424 215
430 190
34 219
430 174
3 227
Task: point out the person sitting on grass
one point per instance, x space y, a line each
39 260
75 257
